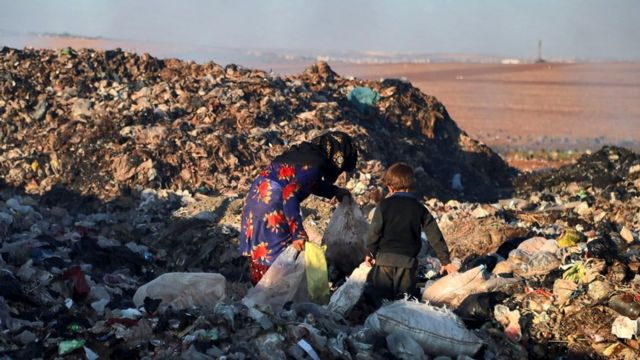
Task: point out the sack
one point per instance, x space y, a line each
183 290
345 237
438 331
317 276
347 295
280 283
403 347
452 289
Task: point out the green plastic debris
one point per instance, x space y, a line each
575 272
69 346
583 194
212 334
363 97
74 328
67 51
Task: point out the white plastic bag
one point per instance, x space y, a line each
280 283
510 320
183 290
538 244
346 237
347 295
452 289
540 263
525 264
438 331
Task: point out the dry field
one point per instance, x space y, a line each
531 106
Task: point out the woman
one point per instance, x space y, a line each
271 218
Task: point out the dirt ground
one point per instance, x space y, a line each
532 106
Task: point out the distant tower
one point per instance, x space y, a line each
540 59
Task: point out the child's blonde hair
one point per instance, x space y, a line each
399 176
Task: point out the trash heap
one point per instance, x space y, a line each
113 245
102 122
571 243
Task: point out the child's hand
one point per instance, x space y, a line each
448 269
369 260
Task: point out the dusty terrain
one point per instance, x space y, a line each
532 106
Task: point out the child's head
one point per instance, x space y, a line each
399 177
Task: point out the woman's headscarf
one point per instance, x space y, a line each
340 150
334 151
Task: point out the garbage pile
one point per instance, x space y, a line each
571 243
114 247
101 122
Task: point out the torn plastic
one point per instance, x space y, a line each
280 283
348 294
183 290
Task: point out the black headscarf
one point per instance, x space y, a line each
333 151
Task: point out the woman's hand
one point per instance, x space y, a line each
298 245
342 193
369 260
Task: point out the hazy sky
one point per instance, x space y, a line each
606 29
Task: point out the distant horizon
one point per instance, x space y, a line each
593 30
286 55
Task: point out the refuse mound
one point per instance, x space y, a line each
606 168
101 122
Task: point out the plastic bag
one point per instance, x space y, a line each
438 331
68 346
347 295
624 328
477 309
570 237
532 245
510 320
452 289
280 283
345 237
524 264
183 290
363 97
317 276
540 263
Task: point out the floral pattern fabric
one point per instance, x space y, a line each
271 217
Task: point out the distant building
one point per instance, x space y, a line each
510 61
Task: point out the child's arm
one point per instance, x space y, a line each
435 238
375 232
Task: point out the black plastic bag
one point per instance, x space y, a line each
489 261
603 248
477 309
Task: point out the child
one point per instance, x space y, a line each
394 238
